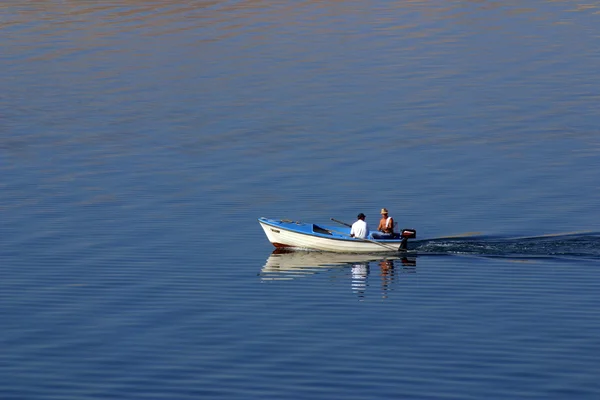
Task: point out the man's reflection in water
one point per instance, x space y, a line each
387 276
360 272
387 273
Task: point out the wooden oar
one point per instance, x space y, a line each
341 222
402 244
357 238
354 237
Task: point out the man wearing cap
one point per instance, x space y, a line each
359 228
386 226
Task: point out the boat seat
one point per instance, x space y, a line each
318 229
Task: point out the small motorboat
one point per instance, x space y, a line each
309 236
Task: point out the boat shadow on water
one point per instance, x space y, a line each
289 264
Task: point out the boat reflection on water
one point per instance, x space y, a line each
288 264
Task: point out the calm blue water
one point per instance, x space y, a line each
140 142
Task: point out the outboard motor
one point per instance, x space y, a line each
405 235
408 233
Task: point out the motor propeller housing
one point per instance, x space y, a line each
408 233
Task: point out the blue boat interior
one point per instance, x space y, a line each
317 229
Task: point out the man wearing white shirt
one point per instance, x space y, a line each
360 228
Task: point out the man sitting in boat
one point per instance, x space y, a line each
359 228
386 226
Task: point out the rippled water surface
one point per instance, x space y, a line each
140 142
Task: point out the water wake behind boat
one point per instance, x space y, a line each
585 245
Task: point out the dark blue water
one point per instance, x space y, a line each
140 142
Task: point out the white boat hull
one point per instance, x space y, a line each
339 241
